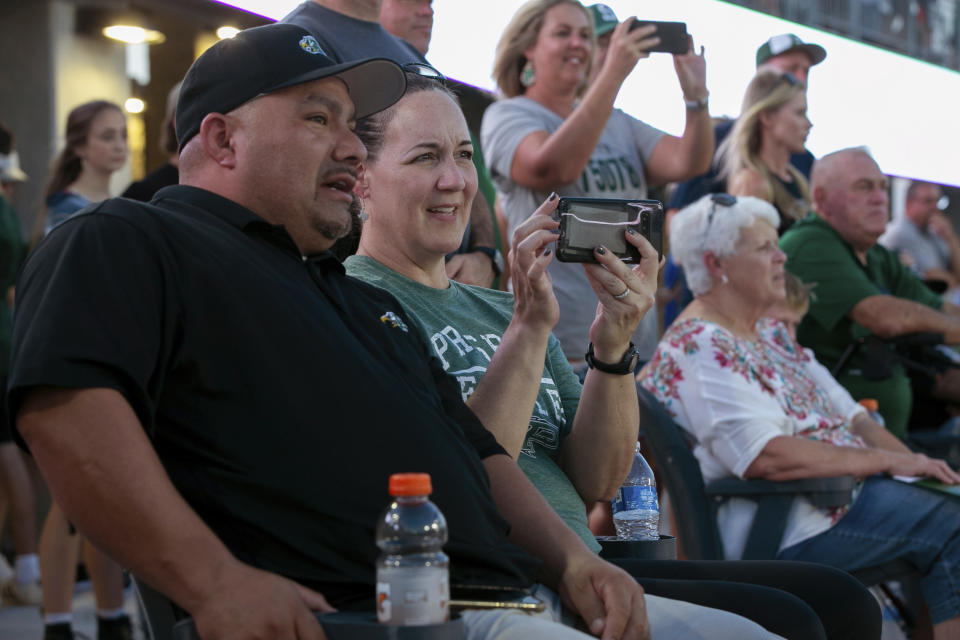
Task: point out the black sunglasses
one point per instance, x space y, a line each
425 71
722 199
789 79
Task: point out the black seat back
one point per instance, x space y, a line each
696 512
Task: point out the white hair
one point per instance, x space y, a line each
692 236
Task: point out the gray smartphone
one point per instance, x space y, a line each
588 222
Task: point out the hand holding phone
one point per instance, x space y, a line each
586 223
673 36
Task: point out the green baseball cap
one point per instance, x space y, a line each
604 19
788 42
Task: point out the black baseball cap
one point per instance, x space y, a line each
272 57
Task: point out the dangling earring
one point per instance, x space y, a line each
527 75
358 206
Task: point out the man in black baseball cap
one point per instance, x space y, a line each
264 60
215 404
223 379
274 92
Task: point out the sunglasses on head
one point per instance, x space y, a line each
722 199
424 71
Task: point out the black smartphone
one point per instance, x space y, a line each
673 35
588 222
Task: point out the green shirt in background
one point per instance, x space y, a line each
463 326
818 255
12 251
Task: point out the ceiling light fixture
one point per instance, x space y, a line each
134 105
132 34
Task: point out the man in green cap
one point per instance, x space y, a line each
785 53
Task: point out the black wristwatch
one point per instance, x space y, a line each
625 366
495 257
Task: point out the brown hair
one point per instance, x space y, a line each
67 165
372 129
798 293
6 141
521 34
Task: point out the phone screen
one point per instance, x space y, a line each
594 225
586 223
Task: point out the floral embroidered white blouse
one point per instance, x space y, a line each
734 395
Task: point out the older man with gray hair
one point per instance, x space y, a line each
862 289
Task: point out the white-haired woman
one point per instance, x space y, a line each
757 406
755 157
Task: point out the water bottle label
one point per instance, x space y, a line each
635 497
413 595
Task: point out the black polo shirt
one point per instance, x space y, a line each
279 393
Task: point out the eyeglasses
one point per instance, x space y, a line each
425 71
722 199
790 79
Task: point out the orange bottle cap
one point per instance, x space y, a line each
410 484
870 404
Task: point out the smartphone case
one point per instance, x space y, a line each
588 222
673 36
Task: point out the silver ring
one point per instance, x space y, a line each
623 295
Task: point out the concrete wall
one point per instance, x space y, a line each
47 69
26 94
85 67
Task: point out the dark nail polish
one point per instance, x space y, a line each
547 252
553 196
601 249
632 232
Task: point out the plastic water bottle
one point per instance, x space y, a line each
413 572
873 409
636 513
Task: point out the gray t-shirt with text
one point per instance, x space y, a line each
615 170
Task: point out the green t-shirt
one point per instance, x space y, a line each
463 326
818 255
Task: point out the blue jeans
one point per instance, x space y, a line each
894 520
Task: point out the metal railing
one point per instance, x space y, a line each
924 29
